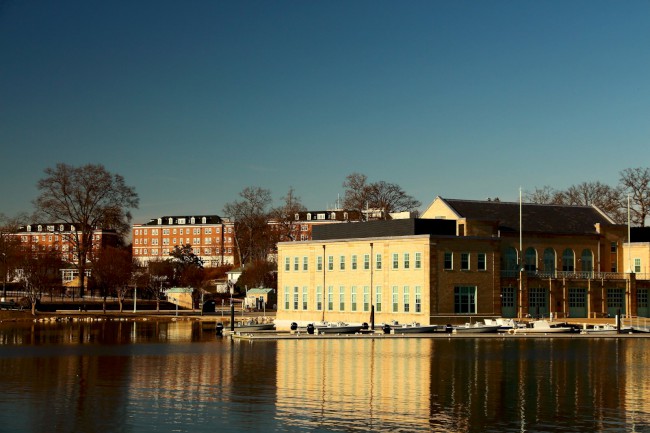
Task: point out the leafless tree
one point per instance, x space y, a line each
635 182
383 196
112 272
543 195
39 272
251 217
605 197
9 248
87 197
284 217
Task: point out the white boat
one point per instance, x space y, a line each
605 329
253 327
541 327
337 328
414 328
474 328
504 324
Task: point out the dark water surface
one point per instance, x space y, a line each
180 377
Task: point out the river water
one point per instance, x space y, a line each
181 377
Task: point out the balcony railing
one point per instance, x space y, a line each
570 275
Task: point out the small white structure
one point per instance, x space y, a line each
181 296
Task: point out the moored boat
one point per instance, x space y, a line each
504 324
414 328
254 327
337 328
477 327
542 327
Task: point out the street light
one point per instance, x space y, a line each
232 308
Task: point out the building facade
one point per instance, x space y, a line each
211 237
478 259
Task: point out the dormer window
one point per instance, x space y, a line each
181 220
297 217
192 221
170 221
29 228
308 216
50 228
159 221
345 216
204 220
61 227
333 215
40 228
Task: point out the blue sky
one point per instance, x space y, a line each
193 101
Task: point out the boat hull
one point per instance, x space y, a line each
338 329
417 329
475 329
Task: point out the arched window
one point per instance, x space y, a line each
159 221
587 260
568 260
531 259
192 220
509 260
549 260
204 220
170 221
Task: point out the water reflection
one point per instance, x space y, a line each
464 384
178 376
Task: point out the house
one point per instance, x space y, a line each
260 299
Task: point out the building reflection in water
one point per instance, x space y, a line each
464 384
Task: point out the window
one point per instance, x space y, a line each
395 261
341 298
366 298
319 263
330 298
637 265
395 299
342 263
418 299
568 260
286 298
296 263
353 298
378 299
464 261
465 299
407 261
304 297
481 262
319 298
508 297
295 298
418 260
287 264
449 261
587 260
305 263
354 263
549 260
530 260
366 261
407 299
330 263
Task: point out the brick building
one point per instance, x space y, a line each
211 237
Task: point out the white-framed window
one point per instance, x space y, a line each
395 299
378 262
418 260
296 263
330 263
418 299
366 261
286 298
407 260
395 261
342 263
481 261
353 298
319 263
407 299
295 298
378 299
637 265
366 298
330 298
353 262
304 297
287 264
341 298
305 263
319 298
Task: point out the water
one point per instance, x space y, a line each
180 377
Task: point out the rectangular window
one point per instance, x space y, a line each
395 261
342 263
353 298
296 263
319 263
378 299
354 263
304 297
287 264
330 298
418 260
407 260
449 261
637 265
481 262
464 261
366 298
418 299
366 261
286 298
319 298
295 298
341 298
407 299
465 300
330 263
395 299
305 265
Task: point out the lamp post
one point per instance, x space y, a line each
232 308
372 304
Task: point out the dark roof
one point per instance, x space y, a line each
543 218
198 219
373 229
640 234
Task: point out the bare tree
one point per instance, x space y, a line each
383 196
606 198
87 197
39 272
543 195
112 273
251 217
635 182
9 248
285 216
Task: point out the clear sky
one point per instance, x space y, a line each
193 101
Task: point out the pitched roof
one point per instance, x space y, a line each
544 218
